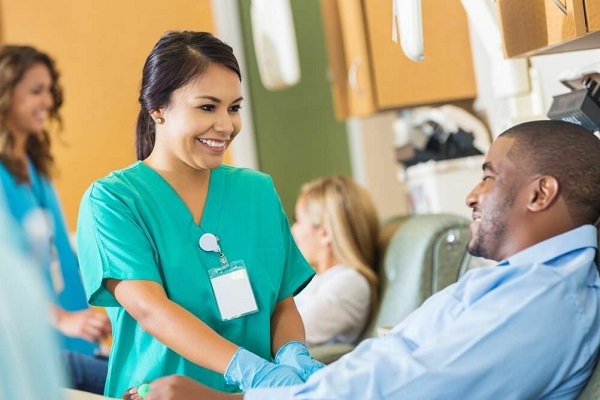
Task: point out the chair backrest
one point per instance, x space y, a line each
592 389
425 254
421 255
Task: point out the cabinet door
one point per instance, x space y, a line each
531 25
592 12
349 68
447 70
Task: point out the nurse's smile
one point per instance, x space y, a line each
214 145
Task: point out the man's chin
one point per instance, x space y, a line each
474 249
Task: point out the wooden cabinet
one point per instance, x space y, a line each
548 26
369 72
592 13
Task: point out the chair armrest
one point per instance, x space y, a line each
328 353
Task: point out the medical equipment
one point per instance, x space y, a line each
581 105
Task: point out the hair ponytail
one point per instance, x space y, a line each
145 135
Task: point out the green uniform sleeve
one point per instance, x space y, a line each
112 243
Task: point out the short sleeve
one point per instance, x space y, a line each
112 242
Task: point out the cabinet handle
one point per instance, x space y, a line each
561 6
353 76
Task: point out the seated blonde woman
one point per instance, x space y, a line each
337 230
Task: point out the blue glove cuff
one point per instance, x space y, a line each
291 349
296 355
247 370
238 366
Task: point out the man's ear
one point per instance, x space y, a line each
544 192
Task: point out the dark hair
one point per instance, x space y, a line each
15 61
568 152
176 59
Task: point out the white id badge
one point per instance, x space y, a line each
232 289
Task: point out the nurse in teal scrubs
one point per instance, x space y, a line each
30 96
193 259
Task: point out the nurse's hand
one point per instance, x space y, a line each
178 387
247 370
296 355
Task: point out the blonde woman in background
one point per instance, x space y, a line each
337 230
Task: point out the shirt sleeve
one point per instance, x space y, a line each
276 393
487 350
112 244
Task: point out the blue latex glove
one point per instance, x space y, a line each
296 355
247 370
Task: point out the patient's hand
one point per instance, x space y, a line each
179 387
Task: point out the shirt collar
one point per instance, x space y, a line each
578 238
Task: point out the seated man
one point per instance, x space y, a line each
526 328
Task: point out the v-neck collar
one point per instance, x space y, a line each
209 220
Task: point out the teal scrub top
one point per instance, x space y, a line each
133 225
22 199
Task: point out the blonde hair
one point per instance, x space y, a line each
15 61
345 210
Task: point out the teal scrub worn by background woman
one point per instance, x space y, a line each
25 198
133 226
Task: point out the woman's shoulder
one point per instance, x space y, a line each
346 276
244 172
245 177
344 270
120 180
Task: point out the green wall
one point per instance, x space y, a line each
297 136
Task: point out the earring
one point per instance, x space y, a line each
159 120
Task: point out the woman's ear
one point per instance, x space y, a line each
545 191
156 114
324 236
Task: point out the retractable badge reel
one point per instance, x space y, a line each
229 281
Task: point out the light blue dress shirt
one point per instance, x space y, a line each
29 365
527 328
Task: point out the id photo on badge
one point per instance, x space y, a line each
232 290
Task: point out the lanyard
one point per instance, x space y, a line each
210 242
